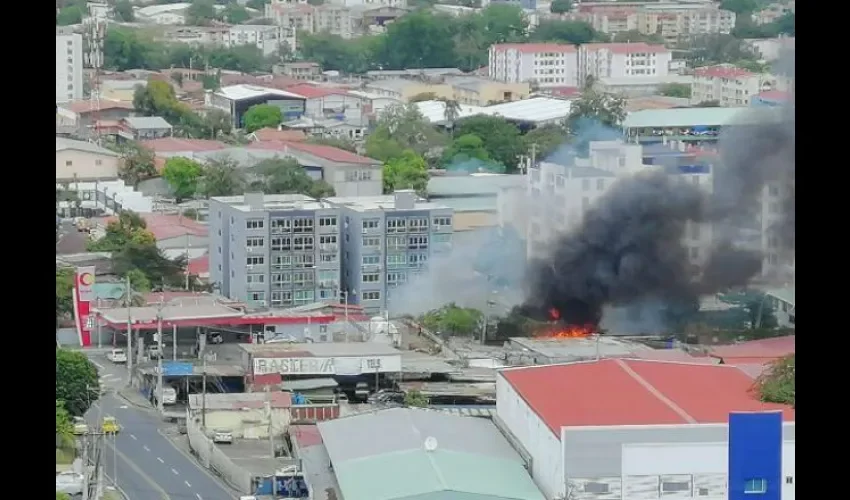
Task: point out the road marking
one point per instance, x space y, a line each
175 471
123 407
188 483
134 437
146 448
160 460
100 366
195 464
139 471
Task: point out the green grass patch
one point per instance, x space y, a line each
64 456
111 495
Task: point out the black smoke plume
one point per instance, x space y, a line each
629 247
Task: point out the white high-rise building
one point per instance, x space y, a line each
69 66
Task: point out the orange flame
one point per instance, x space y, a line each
568 332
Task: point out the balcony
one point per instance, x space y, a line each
329 247
370 268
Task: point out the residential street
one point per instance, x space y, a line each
141 461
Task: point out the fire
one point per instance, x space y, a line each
554 314
571 332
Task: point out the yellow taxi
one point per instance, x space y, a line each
110 426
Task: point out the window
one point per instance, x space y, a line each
254 224
396 225
789 479
281 225
68 163
396 278
327 221
98 162
279 261
371 278
560 181
418 259
675 486
302 225
302 243
280 298
281 243
442 238
281 278
304 296
396 260
303 260
415 242
327 278
370 260
255 278
258 296
371 241
327 240
302 278
418 225
255 242
755 486
702 492
255 261
443 221
396 242
371 295
597 488
371 224
328 258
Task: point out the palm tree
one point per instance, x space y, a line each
451 113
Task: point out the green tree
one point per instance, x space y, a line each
137 164
560 6
333 52
158 98
76 381
777 384
707 50
577 32
72 14
123 11
216 122
261 116
201 13
139 282
675 90
64 427
285 175
451 112
419 40
547 139
234 13
221 177
408 171
159 270
182 175
399 128
415 399
62 496
64 287
129 228
501 138
595 107
453 320
464 148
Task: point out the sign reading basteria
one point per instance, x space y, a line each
327 366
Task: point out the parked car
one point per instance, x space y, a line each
80 426
222 436
117 356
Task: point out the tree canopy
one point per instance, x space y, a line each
64 286
499 137
285 175
261 116
407 171
453 320
777 384
182 175
76 381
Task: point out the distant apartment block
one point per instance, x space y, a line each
289 250
301 70
69 66
673 21
566 65
729 85
387 242
347 21
472 90
268 39
274 250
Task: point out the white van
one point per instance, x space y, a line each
169 395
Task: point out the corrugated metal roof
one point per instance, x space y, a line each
63 144
382 456
692 117
784 294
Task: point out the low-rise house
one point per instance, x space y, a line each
237 99
120 90
175 235
246 415
146 127
168 14
479 91
303 70
328 102
272 134
372 104
78 161
80 116
353 129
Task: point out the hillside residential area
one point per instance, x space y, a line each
425 250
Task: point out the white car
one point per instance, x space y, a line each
222 436
80 426
117 356
69 482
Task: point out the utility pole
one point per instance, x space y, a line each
86 466
271 427
97 324
533 158
204 390
129 331
160 355
174 342
187 256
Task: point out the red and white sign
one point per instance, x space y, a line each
83 296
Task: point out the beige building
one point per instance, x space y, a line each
729 85
672 21
343 20
84 161
471 90
246 415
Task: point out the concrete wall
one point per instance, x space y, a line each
214 459
249 423
83 165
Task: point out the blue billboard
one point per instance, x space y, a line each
755 456
176 368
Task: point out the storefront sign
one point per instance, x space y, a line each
327 366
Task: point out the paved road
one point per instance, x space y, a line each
145 464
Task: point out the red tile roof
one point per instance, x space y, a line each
273 134
314 92
175 145
754 351
166 227
627 48
530 48
329 153
635 392
88 106
199 266
306 435
723 71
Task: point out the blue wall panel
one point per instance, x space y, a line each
755 456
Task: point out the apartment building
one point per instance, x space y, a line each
69 66
729 85
672 21
565 65
347 21
387 241
268 39
611 20
274 250
777 261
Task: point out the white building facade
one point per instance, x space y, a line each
565 65
69 66
728 85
